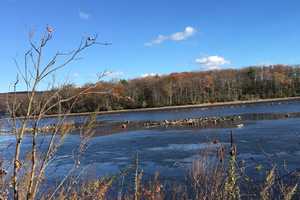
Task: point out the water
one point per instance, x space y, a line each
171 151
277 107
156 115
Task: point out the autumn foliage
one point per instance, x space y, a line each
249 83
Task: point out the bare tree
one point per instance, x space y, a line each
32 74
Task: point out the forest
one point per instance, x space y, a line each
184 88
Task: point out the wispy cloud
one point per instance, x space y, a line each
178 36
212 62
149 74
84 15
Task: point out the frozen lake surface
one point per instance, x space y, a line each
172 151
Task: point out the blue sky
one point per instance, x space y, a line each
153 36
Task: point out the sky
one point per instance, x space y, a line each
151 36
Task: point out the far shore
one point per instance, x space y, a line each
204 105
163 108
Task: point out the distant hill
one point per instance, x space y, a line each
184 88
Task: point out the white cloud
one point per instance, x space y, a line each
158 40
188 32
84 15
149 74
212 62
178 36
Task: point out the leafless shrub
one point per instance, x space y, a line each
28 176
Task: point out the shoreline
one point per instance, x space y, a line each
163 108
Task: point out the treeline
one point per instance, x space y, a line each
249 83
3 107
215 86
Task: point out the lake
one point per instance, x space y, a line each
172 151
